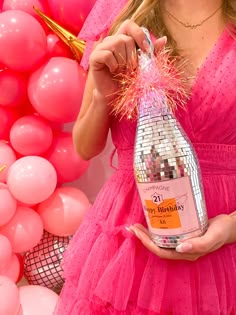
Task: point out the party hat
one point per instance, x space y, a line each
2 168
76 45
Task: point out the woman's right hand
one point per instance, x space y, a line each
117 53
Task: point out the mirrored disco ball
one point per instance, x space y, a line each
43 264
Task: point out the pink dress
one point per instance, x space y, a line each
107 269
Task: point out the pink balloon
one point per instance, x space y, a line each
71 14
32 179
9 297
24 230
6 252
7 118
37 300
7 158
31 135
12 88
56 89
12 271
63 212
63 156
28 7
23 5
23 39
56 48
7 205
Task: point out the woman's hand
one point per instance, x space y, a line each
117 53
218 234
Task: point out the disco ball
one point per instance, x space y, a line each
43 264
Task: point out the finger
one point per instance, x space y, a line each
103 58
131 52
130 28
142 234
117 45
160 43
210 241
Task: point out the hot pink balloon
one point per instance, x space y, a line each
24 230
7 118
64 211
63 156
37 300
13 269
13 89
56 89
31 135
71 14
7 158
32 179
23 39
7 205
6 252
56 48
9 297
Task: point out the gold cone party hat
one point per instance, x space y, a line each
2 168
76 45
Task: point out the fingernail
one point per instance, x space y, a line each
128 229
164 39
146 45
184 247
132 230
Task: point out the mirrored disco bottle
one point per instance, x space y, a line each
166 169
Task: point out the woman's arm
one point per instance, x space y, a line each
92 125
232 236
112 55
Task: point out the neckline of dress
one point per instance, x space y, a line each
208 57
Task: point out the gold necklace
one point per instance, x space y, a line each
192 26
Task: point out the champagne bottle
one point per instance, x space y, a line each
166 169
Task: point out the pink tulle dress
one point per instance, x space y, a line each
107 269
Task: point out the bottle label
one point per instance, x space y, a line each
169 205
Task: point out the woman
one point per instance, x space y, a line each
109 270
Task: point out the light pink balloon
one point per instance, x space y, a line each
37 300
31 135
64 211
28 7
12 270
56 89
7 204
7 118
31 179
24 230
6 252
23 5
65 159
7 158
13 89
71 14
23 39
9 297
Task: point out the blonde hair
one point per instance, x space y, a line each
147 13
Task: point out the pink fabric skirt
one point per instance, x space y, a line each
108 271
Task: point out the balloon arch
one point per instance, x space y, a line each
41 89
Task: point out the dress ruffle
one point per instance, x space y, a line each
108 271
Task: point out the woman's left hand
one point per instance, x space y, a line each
217 235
